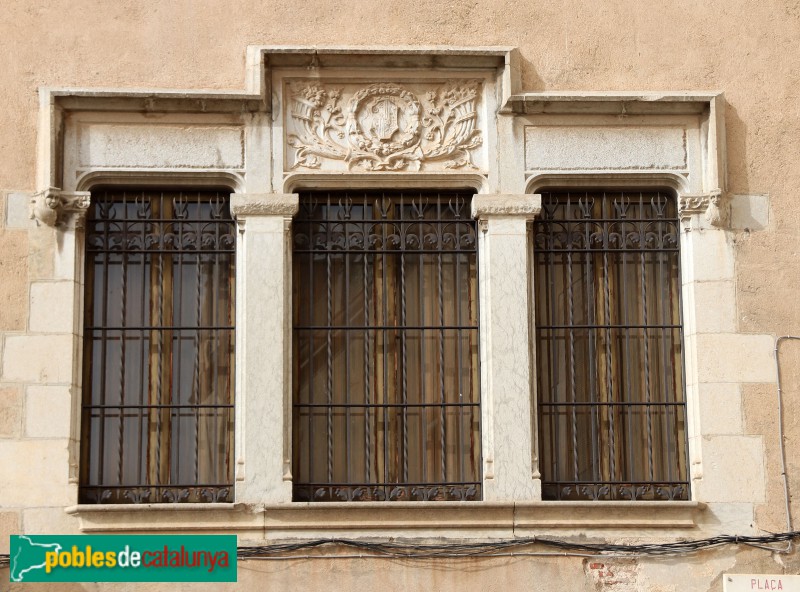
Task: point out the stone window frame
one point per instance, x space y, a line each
505 202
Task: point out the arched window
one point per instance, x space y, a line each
386 387
157 419
609 351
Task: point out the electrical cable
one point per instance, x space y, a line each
401 550
500 548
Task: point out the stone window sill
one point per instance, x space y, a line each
399 519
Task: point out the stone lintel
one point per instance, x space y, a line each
524 205
264 204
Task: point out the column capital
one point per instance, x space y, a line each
714 205
55 207
524 205
264 204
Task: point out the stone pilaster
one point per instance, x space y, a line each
263 375
510 470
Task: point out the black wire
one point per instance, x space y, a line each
452 549
393 549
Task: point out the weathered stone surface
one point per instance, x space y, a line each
733 469
9 524
160 146
749 212
38 359
34 473
47 412
731 357
715 306
18 214
720 409
52 307
264 204
48 520
13 279
525 206
10 412
574 147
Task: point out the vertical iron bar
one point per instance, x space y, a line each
106 256
346 307
459 358
572 380
141 469
385 314
160 348
312 350
423 373
178 285
198 345
589 292
123 312
367 363
403 346
554 411
681 371
329 348
665 318
609 379
628 390
648 395
442 415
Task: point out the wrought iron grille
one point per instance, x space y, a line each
157 420
612 415
386 397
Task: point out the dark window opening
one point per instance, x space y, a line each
609 353
157 416
385 347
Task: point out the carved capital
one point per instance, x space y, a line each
713 205
264 204
54 207
525 206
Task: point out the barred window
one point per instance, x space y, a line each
611 408
157 420
385 349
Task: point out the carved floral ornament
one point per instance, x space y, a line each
384 127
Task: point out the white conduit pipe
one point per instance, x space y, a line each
782 448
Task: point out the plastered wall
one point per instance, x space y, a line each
748 50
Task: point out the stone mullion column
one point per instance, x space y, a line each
509 472
263 347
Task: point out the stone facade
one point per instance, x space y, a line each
539 103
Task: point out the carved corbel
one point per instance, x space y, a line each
713 205
54 207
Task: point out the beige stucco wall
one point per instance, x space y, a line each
748 50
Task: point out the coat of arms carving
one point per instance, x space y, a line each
384 127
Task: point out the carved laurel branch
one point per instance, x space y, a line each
54 207
405 132
713 204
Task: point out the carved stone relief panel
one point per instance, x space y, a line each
388 126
